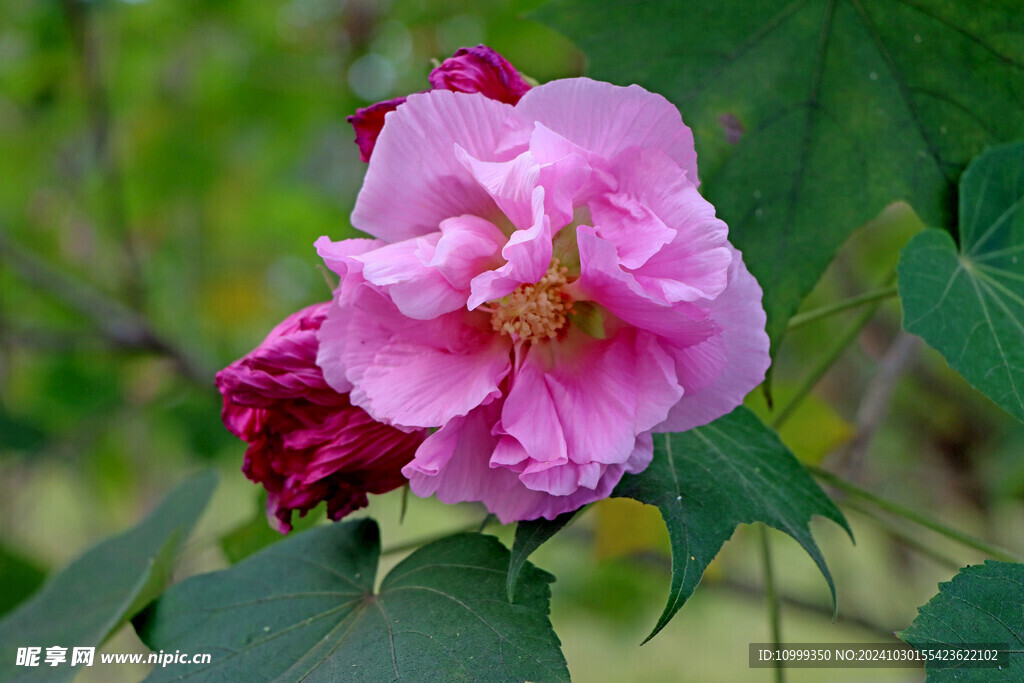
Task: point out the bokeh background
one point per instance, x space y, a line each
165 167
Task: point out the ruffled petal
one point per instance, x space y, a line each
741 350
414 180
453 464
509 183
606 119
603 280
417 289
527 256
468 246
342 258
531 418
637 233
412 373
693 265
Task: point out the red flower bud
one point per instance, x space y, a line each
307 442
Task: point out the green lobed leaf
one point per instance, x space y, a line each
810 116
968 303
531 535
305 609
83 604
711 479
982 604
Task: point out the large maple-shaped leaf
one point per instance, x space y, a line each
709 480
981 605
810 116
305 609
968 303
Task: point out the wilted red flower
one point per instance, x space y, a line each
368 123
307 442
471 70
480 69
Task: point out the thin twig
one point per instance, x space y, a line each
914 516
123 327
771 599
874 403
822 366
900 535
845 617
79 17
802 319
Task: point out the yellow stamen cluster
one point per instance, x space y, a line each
534 312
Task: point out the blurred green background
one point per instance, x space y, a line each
166 167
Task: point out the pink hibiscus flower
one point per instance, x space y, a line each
307 442
545 288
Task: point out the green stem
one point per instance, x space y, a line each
914 516
772 599
853 302
902 536
818 371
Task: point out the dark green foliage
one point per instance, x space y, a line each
709 480
83 604
305 609
982 604
968 302
810 116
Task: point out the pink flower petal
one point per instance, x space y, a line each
453 464
531 417
637 233
341 257
417 289
744 345
527 254
414 180
509 183
606 119
603 280
468 246
586 178
412 373
693 265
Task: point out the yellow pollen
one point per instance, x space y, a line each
534 312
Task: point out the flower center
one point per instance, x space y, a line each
534 312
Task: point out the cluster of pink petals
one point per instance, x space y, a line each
544 287
307 442
471 70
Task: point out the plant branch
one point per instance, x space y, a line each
801 319
900 535
824 363
874 403
824 611
82 27
914 516
771 599
123 327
